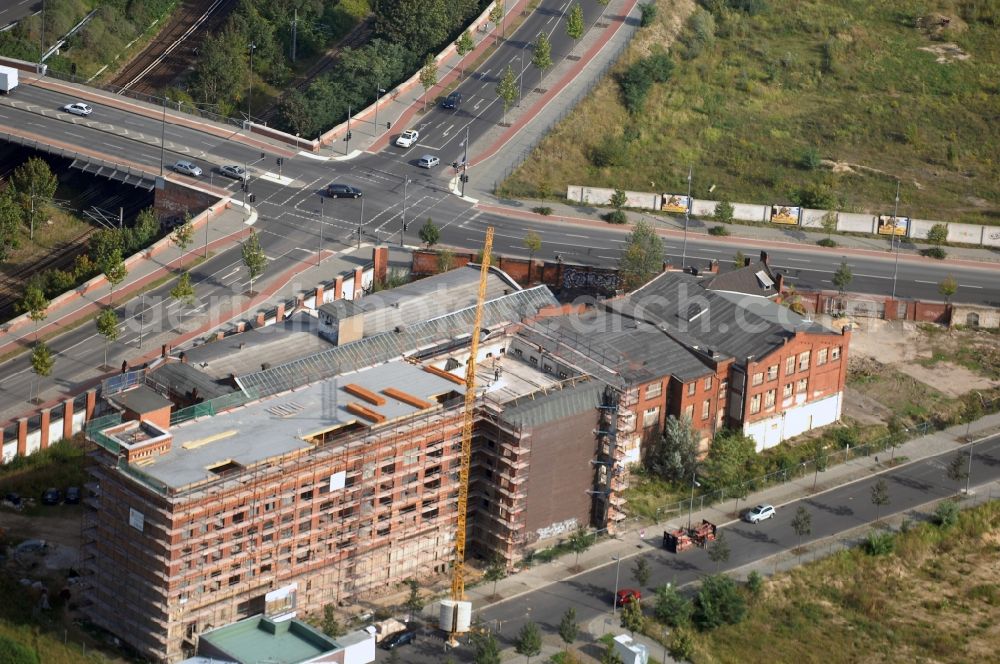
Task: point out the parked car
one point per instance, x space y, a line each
188 168
73 495
428 161
454 100
78 108
626 595
337 190
759 513
14 499
399 639
408 138
51 497
234 171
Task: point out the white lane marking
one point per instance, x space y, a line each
871 276
919 281
968 286
448 130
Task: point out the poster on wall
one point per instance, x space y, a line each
280 603
889 225
785 214
675 203
136 519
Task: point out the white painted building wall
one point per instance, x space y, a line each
790 423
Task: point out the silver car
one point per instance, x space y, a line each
78 108
428 161
234 171
188 168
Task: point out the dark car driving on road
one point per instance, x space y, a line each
336 190
454 100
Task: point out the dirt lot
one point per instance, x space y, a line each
60 525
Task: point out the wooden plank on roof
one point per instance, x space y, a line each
407 398
367 413
365 394
443 374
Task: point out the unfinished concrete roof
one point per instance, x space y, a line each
281 424
182 378
572 399
141 399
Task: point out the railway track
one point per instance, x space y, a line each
12 285
172 52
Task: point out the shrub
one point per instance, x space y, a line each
610 152
671 608
755 583
699 35
938 234
934 252
542 209
648 14
827 242
718 602
816 195
681 645
946 514
724 211
879 544
12 652
616 217
810 159
718 230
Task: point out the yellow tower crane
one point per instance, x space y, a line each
458 568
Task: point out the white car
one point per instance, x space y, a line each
759 513
188 168
408 138
78 108
234 171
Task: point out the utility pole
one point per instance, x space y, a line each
41 42
687 216
163 134
250 83
378 94
895 220
362 222
142 316
520 77
295 30
402 226
465 161
347 137
322 222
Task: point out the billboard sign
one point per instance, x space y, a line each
675 203
281 602
785 214
889 225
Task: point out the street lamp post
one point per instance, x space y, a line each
41 42
465 161
687 214
250 83
163 134
520 78
142 316
694 483
895 220
402 225
378 95
618 569
361 223
968 472
322 222
347 136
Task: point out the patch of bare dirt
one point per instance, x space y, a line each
946 53
959 381
62 528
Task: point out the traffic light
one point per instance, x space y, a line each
405 226
263 154
347 137
454 164
465 178
253 197
281 160
388 125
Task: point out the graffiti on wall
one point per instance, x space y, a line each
589 279
556 529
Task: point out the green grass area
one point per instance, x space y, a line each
60 465
774 94
935 598
976 350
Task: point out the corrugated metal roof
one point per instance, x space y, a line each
553 405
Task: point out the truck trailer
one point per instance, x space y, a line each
8 79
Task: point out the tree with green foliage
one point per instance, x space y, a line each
723 211
146 228
879 496
529 641
938 234
10 223
681 646
183 291
648 11
253 257
42 362
729 457
957 468
445 260
618 199
485 649
718 602
946 514
495 570
35 304
802 525
541 56
632 617
532 242
641 571
842 277
463 46
675 455
948 287
34 184
497 15
429 233
220 70
719 551
12 652
739 260
414 602
428 76
574 22
755 584
642 258
507 91
569 629
829 224
579 542
329 624
115 272
183 236
107 326
671 607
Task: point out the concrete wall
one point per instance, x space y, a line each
966 315
991 236
748 212
920 227
813 218
700 208
771 431
602 196
965 233
850 222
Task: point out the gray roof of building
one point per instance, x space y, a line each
276 426
182 378
634 350
754 279
274 344
341 308
141 399
550 405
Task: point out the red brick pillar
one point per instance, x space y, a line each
380 256
68 418
280 316
359 274
91 404
319 296
338 288
260 319
22 436
44 428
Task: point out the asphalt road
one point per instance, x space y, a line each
12 11
294 219
834 511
